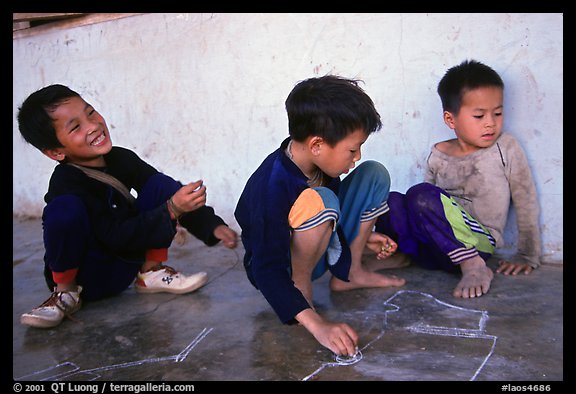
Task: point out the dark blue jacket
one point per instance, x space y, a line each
119 227
262 213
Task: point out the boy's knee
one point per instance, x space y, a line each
159 188
65 213
374 170
313 207
423 196
329 198
395 199
163 183
369 177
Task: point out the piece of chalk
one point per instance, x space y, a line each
349 360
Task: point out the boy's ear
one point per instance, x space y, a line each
449 119
54 154
314 144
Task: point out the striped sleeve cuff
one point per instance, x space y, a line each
374 213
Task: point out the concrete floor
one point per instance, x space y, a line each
226 331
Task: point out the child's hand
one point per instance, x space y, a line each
509 268
188 198
382 245
340 338
228 236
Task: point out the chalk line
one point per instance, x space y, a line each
75 370
424 329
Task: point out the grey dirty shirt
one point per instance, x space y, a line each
485 182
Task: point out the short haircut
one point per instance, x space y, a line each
34 121
330 107
468 75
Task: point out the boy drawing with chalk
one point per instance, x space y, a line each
299 220
98 238
455 220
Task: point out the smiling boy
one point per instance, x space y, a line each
98 238
300 220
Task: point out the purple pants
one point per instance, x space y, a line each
421 226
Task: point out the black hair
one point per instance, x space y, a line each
468 75
34 121
330 107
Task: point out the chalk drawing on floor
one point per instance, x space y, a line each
421 318
67 370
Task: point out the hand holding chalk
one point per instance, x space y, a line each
349 360
188 198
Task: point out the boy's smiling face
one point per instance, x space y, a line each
478 124
82 131
341 158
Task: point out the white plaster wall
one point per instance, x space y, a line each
202 95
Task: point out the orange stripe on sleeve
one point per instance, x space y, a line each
307 205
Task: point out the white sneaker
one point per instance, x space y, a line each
52 311
162 278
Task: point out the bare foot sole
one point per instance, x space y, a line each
397 260
365 279
476 279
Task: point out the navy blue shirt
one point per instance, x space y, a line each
262 213
118 225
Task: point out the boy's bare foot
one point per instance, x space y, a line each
476 278
397 260
360 279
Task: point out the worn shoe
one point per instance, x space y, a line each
52 311
166 279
